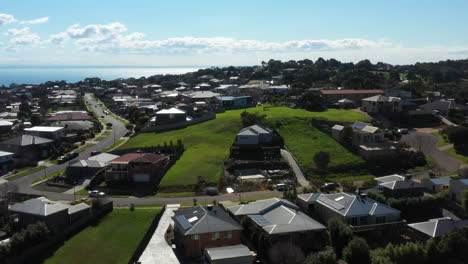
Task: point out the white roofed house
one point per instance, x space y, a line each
6 161
360 212
281 220
49 132
437 227
254 135
5 126
170 116
203 96
382 104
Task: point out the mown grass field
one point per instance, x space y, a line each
111 241
207 144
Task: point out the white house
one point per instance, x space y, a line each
254 135
381 104
364 133
45 132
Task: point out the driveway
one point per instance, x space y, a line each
297 170
118 131
427 143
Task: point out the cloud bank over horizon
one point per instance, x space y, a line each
97 41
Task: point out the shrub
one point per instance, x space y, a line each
323 257
340 234
357 252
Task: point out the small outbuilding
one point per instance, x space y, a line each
237 254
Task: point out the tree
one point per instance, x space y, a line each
454 244
285 253
311 101
322 159
464 200
36 120
357 252
323 257
249 119
340 234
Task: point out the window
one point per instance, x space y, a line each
354 221
380 219
195 237
215 236
228 235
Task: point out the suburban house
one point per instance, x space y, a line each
437 227
201 227
280 219
346 103
136 167
237 254
27 148
6 161
89 167
49 132
205 96
332 96
364 133
437 185
403 94
55 215
358 211
442 106
235 102
457 187
5 126
70 116
402 188
382 104
74 126
278 89
227 89
254 135
170 116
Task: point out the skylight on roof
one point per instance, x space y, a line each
193 219
339 198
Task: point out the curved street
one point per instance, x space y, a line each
427 143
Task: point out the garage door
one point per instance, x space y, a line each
141 177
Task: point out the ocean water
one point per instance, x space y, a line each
37 75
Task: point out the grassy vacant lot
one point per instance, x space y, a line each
207 144
112 241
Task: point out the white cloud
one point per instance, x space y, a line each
25 39
35 21
17 31
6 19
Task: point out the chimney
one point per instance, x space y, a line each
362 196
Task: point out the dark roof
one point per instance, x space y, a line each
26 140
352 91
70 116
139 157
202 219
439 226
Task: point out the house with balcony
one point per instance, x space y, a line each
204 227
54 133
382 104
136 168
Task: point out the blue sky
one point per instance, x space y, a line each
169 33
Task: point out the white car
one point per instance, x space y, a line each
96 193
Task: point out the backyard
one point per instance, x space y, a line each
207 144
113 240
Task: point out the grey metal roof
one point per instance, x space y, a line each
437 181
255 130
277 216
78 208
390 178
228 252
348 204
401 185
439 226
309 197
26 140
74 124
201 220
39 206
382 98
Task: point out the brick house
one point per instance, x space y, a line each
136 167
203 227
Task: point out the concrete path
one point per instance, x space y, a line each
297 170
446 147
157 250
446 121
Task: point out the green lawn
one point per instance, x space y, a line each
463 159
49 176
26 171
118 142
100 138
207 144
85 147
112 241
442 140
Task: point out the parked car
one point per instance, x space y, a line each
403 131
62 159
329 186
96 194
281 187
106 112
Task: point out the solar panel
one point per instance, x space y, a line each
183 222
260 220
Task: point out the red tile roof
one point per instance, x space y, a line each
70 116
142 157
352 91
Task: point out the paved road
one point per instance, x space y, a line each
427 143
297 170
118 131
